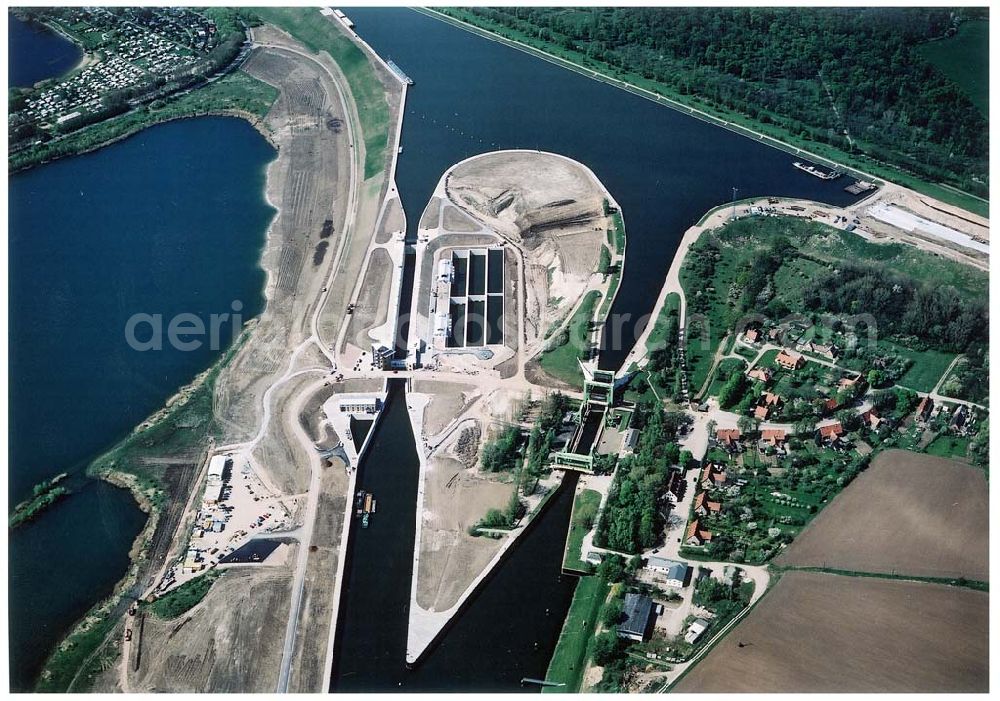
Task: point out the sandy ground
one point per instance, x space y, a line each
279 454
456 493
907 513
453 219
233 641
827 633
373 301
393 221
432 214
552 209
306 181
219 644
456 497
314 628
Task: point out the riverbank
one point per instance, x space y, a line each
862 167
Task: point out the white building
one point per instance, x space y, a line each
695 630
676 573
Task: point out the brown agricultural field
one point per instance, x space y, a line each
830 633
907 514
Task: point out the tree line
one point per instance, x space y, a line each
634 514
790 67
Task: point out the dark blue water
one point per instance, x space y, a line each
502 635
664 168
169 221
35 53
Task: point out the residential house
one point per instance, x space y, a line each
849 382
768 401
829 352
924 409
761 373
751 336
790 360
960 417
831 433
638 612
729 439
871 419
703 506
774 437
696 535
695 630
713 477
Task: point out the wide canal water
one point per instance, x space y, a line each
169 221
665 169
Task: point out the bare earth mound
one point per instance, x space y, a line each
908 513
551 208
828 633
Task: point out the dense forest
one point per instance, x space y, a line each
850 77
928 315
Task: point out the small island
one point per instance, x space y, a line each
44 495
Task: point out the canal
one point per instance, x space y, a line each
665 169
501 636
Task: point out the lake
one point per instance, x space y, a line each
34 53
169 221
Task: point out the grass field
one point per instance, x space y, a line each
949 447
928 366
573 648
838 245
319 33
899 517
965 58
818 632
573 557
561 361
185 597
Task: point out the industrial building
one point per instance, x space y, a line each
676 572
638 617
469 312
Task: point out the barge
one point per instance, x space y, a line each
817 171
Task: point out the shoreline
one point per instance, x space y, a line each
703 115
103 612
253 120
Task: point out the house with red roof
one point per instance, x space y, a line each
924 409
775 437
696 535
831 433
713 477
703 506
790 360
729 438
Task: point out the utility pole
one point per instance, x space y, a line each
735 190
